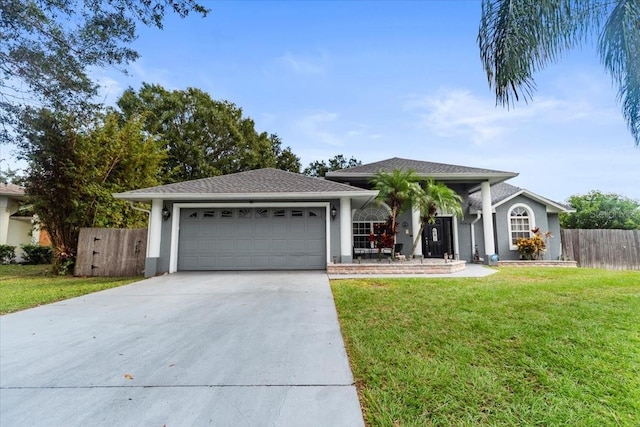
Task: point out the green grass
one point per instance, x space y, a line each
26 286
526 347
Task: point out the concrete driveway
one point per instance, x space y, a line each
219 349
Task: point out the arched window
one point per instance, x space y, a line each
363 222
521 221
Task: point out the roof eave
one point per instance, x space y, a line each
493 178
146 197
551 206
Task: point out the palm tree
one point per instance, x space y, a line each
396 189
434 197
520 37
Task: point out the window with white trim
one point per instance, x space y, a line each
363 223
521 221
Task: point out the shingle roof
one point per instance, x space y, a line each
251 182
420 167
11 190
503 191
499 192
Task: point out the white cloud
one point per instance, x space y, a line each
151 75
315 128
110 90
304 64
459 113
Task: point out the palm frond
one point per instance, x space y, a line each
619 46
520 37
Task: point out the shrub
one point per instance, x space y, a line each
531 248
7 254
36 254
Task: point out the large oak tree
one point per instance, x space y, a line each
204 137
47 47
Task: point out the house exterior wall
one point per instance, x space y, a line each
546 222
465 251
334 231
19 234
406 239
554 244
14 231
7 208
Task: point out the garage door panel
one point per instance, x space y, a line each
298 226
315 245
297 245
252 239
279 262
244 245
278 244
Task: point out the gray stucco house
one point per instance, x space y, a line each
268 219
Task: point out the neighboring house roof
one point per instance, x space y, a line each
441 171
503 192
12 190
255 184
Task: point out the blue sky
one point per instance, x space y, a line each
393 79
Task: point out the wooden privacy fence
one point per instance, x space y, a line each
611 249
111 252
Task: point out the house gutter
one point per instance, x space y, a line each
135 208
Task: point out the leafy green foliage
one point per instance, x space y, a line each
7 254
203 137
36 254
285 159
518 38
525 347
48 46
9 176
602 210
319 168
75 166
434 197
531 247
397 189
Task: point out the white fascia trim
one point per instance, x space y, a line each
550 205
246 196
175 221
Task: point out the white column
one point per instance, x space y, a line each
346 253
487 220
415 229
456 243
155 229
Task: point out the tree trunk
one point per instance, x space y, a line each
394 212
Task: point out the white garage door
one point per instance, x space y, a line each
252 239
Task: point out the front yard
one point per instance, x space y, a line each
25 286
521 347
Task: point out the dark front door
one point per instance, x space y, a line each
437 238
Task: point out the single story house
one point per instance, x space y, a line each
269 219
16 228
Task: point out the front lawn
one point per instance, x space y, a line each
25 286
544 347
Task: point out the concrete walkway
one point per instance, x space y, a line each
220 349
470 270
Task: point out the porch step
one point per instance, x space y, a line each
397 268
